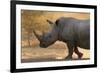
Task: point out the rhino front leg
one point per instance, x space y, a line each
70 50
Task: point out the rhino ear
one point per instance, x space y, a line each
50 22
57 22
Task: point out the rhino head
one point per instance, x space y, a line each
47 39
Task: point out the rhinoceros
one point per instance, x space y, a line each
74 32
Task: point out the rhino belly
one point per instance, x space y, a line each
84 44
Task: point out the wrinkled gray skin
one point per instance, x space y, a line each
75 33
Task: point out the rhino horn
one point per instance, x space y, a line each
38 35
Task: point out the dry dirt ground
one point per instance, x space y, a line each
57 51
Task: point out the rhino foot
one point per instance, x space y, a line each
80 55
68 57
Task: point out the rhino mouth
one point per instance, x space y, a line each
43 46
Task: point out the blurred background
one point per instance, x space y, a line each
32 19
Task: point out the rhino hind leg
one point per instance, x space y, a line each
78 52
